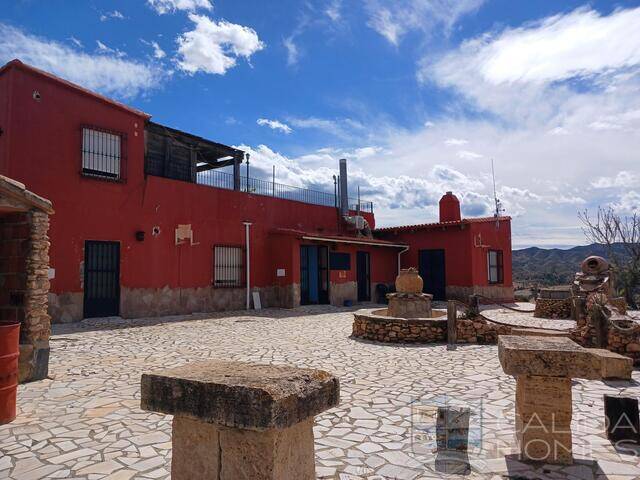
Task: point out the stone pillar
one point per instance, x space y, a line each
579 309
543 418
599 322
544 367
36 326
474 305
237 421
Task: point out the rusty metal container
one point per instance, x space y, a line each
9 353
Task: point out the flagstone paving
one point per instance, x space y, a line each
86 423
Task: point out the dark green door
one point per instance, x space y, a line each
101 279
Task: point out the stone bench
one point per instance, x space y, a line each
235 421
544 367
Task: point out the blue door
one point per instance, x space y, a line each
314 274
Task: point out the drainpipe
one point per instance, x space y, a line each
400 253
247 261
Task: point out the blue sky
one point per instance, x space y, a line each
418 94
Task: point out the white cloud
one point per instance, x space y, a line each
111 15
103 49
558 131
468 155
213 47
293 54
105 73
393 20
524 72
76 42
600 125
623 179
158 52
628 204
275 125
342 128
563 46
333 11
450 142
170 6
394 195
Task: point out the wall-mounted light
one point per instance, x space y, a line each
140 235
36 95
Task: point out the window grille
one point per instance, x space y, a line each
228 266
495 266
101 153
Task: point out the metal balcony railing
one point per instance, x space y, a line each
257 186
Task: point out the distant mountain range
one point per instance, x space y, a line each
552 266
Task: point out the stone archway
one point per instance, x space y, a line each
24 273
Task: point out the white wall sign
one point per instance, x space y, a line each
281 272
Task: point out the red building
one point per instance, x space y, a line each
459 257
153 221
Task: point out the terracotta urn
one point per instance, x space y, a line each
409 281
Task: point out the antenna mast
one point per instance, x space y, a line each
498 204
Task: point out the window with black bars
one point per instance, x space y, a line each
495 266
228 266
102 153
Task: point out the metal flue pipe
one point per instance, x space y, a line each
344 189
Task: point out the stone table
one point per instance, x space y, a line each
235 420
544 367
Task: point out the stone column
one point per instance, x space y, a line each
543 418
544 367
36 327
237 421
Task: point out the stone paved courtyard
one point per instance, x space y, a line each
86 422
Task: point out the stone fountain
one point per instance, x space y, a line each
409 301
408 318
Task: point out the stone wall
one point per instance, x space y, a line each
553 308
66 307
370 325
374 325
480 330
622 336
339 292
36 328
156 302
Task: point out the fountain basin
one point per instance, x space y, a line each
378 325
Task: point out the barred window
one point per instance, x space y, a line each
228 266
101 153
495 266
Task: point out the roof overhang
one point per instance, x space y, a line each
22 200
354 241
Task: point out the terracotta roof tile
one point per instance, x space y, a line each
426 226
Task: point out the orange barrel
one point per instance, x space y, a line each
9 353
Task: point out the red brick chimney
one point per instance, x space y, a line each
449 208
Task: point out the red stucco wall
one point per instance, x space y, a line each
465 247
42 149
